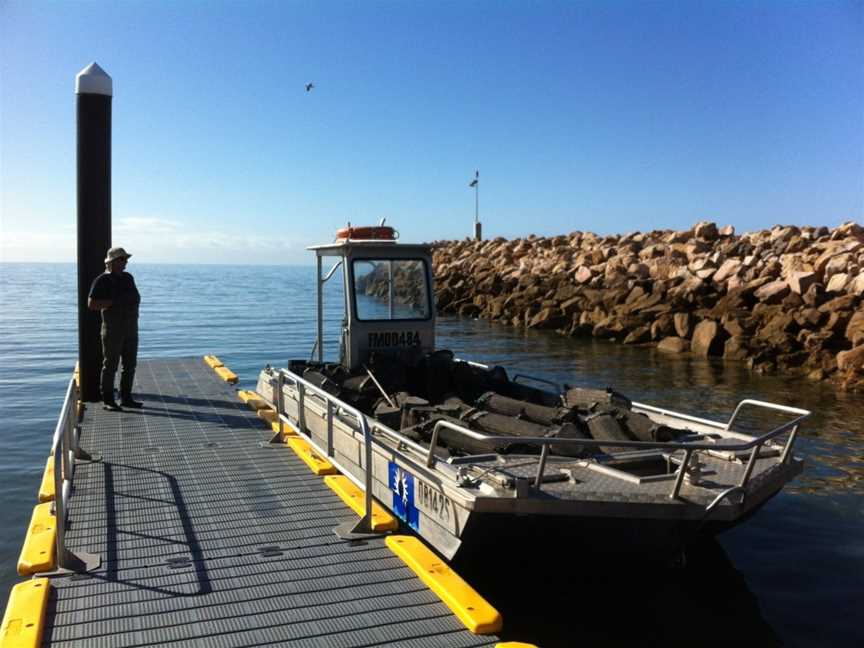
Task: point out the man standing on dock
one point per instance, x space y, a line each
115 294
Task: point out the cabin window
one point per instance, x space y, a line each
391 289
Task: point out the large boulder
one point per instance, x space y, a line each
673 345
736 348
638 335
730 268
548 318
799 282
851 359
773 292
708 339
706 230
683 324
855 329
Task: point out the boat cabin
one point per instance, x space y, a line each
388 292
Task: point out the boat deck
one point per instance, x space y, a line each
209 539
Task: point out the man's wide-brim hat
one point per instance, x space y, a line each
116 253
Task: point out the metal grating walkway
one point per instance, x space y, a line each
208 539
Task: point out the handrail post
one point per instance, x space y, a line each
280 404
430 460
366 522
329 428
301 407
544 455
59 506
679 477
751 462
787 449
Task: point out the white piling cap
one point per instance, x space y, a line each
94 80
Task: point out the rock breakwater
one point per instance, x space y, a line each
789 299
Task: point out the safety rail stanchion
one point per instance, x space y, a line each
679 476
63 446
364 526
541 467
329 428
280 404
751 462
301 406
787 449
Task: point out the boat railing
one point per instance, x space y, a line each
65 449
369 426
690 448
303 386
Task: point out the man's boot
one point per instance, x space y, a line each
127 401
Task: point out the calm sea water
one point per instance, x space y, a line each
793 574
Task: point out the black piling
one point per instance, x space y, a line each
94 90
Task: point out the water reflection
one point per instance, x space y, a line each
562 601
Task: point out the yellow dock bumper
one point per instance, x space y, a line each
212 361
226 374
268 415
25 614
317 464
252 399
46 488
37 554
355 498
471 608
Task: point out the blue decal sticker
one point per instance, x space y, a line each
401 484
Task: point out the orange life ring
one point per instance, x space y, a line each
374 232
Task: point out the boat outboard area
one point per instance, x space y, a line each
463 452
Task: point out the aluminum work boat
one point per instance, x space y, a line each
465 455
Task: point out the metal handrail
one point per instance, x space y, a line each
689 449
369 426
64 449
303 385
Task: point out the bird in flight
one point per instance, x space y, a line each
309 86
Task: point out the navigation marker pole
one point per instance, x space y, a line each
94 90
476 184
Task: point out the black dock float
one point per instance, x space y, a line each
208 538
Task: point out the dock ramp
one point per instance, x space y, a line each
208 536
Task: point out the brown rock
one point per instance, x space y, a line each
673 345
736 348
730 268
856 286
799 282
815 295
707 231
809 318
662 327
683 323
638 335
727 230
855 329
736 326
837 283
583 275
851 359
773 293
708 339
844 302
548 318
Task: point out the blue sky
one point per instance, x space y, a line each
601 116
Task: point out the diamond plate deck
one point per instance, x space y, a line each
208 539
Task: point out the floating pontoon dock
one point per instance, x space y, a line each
206 535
